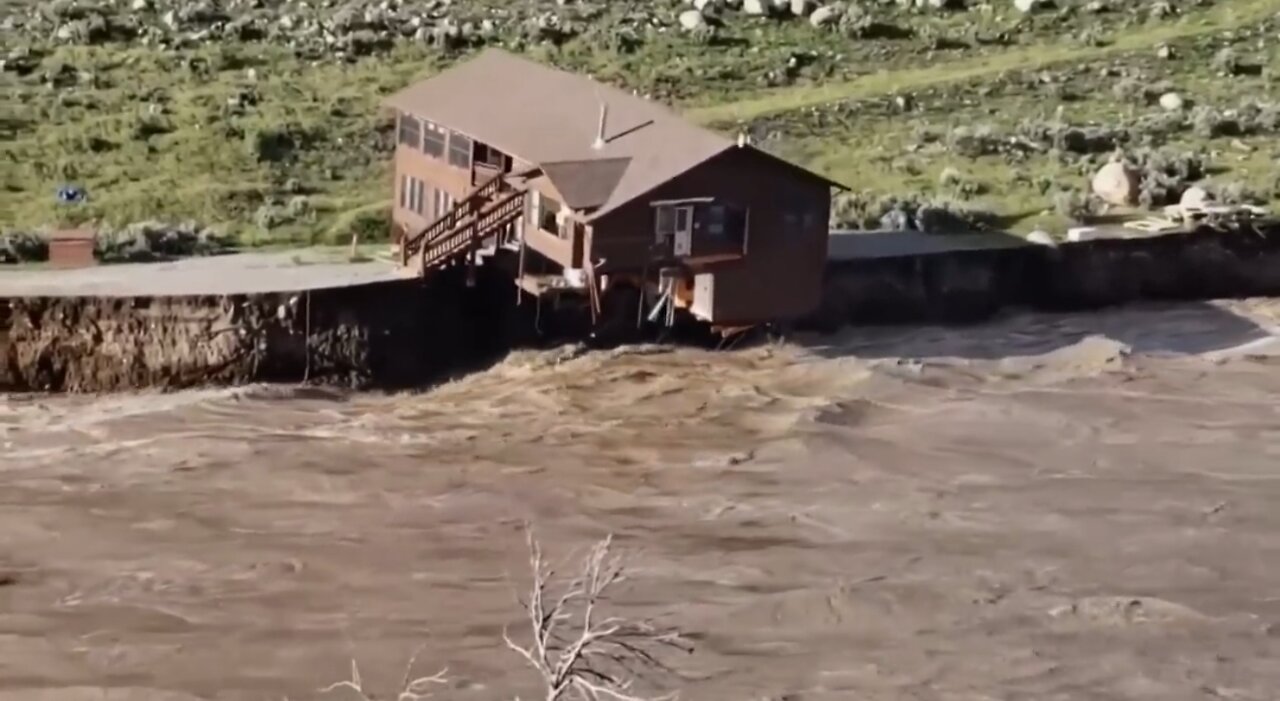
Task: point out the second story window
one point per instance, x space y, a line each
491 157
547 211
434 139
410 131
726 222
459 150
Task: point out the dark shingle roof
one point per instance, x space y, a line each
550 117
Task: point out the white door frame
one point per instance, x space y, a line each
682 245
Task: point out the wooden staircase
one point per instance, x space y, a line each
481 214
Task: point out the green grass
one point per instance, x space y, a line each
304 160
1237 13
872 147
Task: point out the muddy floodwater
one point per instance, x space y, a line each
1044 507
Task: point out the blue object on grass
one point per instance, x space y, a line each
71 194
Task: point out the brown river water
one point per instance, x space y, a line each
1043 507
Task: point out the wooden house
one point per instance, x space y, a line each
586 189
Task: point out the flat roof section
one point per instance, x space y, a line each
238 273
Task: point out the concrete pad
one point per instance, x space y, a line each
241 273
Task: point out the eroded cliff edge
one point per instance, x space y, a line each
388 334
406 333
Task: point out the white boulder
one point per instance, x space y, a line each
1196 197
1041 237
692 20
1172 101
825 15
1116 184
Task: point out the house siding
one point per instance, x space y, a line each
786 248
567 252
437 174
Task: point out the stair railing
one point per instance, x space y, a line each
469 205
472 230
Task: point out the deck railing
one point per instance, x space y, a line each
472 230
468 206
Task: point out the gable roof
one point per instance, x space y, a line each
586 184
550 118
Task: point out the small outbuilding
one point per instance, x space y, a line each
72 248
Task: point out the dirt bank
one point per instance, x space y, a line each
396 333
974 284
399 333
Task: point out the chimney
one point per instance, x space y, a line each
743 139
604 115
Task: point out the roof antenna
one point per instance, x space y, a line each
604 115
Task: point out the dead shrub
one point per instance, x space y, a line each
578 652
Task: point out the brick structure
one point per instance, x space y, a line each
72 248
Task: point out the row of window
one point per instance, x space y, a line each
722 221
411 193
435 141
422 199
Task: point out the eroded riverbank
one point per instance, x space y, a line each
110 332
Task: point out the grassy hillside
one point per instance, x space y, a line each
262 118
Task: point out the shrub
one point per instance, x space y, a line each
23 247
152 240
1226 62
1208 123
1234 193
1165 174
973 142
270 216
368 224
1075 206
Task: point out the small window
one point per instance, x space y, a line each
491 157
410 131
735 225
725 222
418 187
684 219
547 211
664 225
404 192
441 203
715 220
434 139
459 150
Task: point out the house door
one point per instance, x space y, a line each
683 244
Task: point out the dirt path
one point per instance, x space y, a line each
1022 510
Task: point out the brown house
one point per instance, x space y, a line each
586 189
